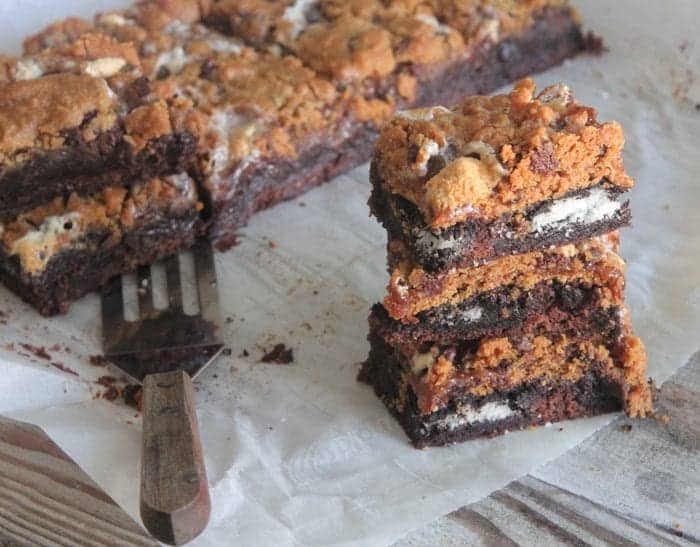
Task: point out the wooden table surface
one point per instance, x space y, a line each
638 486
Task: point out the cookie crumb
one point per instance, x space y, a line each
98 361
280 355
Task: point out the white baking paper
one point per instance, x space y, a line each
303 454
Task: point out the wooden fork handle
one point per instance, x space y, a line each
175 504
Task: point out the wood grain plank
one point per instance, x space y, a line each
46 499
489 533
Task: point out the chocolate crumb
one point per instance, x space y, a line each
543 161
111 393
626 428
133 396
280 355
226 242
272 244
98 361
594 44
106 380
244 353
64 368
39 352
229 320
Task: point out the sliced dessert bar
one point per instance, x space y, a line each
413 53
79 117
550 368
268 127
498 175
414 293
60 251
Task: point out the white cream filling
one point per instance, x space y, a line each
440 29
430 149
114 19
422 361
28 70
422 114
490 412
222 45
296 16
105 67
594 207
472 314
174 60
427 241
36 247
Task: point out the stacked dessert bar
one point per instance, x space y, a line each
505 305
125 137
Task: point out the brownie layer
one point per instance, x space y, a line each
58 252
552 37
263 184
95 259
578 215
64 133
412 290
469 417
550 346
576 306
88 167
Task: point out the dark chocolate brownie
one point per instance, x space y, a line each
471 416
475 241
58 252
79 117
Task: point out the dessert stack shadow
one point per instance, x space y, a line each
505 304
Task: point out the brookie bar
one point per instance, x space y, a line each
60 251
79 117
505 301
498 175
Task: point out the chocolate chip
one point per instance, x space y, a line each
163 73
543 161
208 69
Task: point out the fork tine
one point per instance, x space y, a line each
145 290
172 272
206 280
112 307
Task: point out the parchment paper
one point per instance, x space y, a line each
303 454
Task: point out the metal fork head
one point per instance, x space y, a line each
163 340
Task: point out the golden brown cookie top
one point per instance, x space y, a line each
492 155
92 53
39 234
350 40
237 91
35 113
347 41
